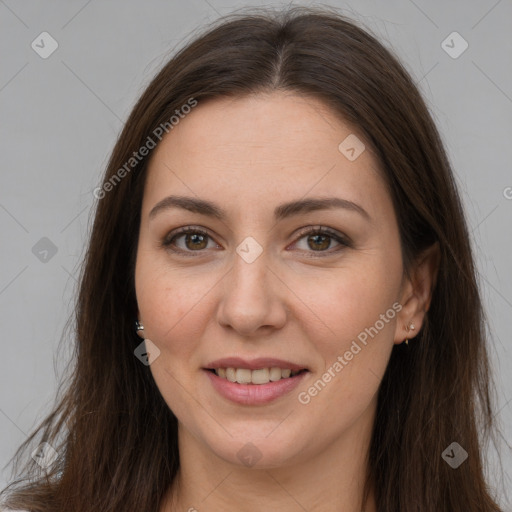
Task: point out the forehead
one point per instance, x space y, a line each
261 148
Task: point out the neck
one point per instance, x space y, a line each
332 480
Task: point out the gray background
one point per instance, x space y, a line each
61 115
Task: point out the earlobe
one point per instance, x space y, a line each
139 328
409 327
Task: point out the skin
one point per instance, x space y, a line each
303 299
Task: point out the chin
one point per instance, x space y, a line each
257 451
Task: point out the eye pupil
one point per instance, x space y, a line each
322 240
198 241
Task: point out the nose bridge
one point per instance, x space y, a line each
250 298
250 275
250 265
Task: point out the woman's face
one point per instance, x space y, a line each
292 261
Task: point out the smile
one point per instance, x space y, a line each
260 376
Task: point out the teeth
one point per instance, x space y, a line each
243 376
261 376
275 374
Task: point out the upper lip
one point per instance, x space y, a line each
253 364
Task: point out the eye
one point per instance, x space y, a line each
189 239
321 240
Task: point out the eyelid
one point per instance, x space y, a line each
319 228
185 230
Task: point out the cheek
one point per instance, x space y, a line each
172 304
344 304
358 309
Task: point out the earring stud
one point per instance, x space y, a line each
138 326
409 327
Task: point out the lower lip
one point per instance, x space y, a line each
254 394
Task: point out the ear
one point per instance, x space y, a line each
416 293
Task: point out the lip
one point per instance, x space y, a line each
253 364
253 394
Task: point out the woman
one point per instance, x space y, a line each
280 224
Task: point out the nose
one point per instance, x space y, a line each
253 298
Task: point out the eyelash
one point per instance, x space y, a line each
319 230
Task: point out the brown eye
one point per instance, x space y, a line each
319 242
188 240
196 241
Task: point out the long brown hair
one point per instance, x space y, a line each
116 437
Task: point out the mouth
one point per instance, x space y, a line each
254 382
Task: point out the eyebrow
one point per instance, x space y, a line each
285 210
